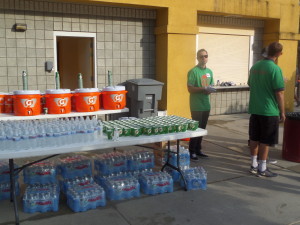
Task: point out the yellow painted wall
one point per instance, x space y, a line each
288 63
176 38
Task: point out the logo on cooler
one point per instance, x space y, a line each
117 98
90 100
28 103
1 101
61 101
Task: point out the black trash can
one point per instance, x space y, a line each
291 139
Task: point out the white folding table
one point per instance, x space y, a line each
52 146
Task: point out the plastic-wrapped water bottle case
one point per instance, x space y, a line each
118 176
75 166
196 178
41 198
42 173
81 198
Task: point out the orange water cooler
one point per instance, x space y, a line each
114 97
58 101
87 99
27 102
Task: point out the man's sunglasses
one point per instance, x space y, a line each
203 56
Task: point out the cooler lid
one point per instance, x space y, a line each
27 92
58 91
114 88
86 90
145 82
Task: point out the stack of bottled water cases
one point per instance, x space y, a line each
42 173
156 183
184 161
42 191
41 133
75 166
184 157
41 198
129 161
119 186
196 178
140 160
5 181
109 163
78 185
84 196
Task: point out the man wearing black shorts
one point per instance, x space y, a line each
266 107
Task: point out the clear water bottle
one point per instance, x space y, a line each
116 134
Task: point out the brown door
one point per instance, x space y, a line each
75 55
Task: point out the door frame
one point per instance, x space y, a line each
76 34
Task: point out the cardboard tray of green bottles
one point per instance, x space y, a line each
149 126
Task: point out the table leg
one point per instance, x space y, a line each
168 152
13 189
178 164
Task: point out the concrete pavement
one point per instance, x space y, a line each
233 197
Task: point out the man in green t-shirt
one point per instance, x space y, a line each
200 79
266 107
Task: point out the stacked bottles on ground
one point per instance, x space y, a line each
42 190
184 157
156 182
78 185
147 126
120 186
28 133
196 178
120 172
5 181
111 172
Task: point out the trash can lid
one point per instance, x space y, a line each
293 115
145 81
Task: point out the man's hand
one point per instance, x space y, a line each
282 117
208 90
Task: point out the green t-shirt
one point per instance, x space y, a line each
264 80
198 77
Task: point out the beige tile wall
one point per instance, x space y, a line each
125 40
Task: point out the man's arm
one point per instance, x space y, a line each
280 101
193 89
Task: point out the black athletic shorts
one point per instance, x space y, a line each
264 129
